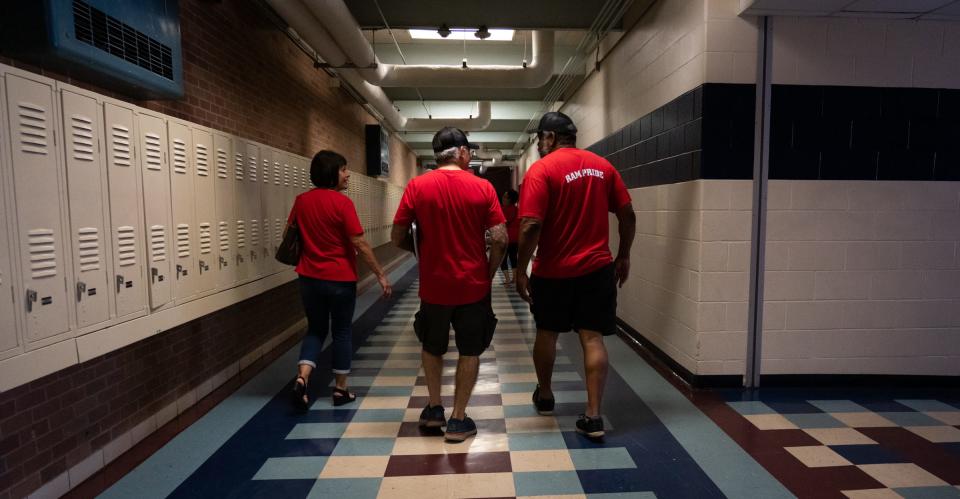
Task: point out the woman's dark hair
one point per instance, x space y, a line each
325 169
513 196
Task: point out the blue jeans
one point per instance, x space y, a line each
328 304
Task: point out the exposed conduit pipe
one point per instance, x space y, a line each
484 153
338 20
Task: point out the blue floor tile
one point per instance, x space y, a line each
291 468
536 441
883 406
814 421
353 488
623 495
364 447
911 419
542 483
838 406
517 387
928 492
387 391
317 430
602 459
520 411
868 454
794 407
751 407
378 415
928 405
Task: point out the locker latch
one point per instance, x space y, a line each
180 271
239 259
81 289
253 256
155 274
119 283
31 297
266 252
204 267
223 262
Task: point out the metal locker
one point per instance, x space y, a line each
246 194
156 203
126 213
36 194
278 206
86 189
264 260
9 339
226 211
206 216
183 211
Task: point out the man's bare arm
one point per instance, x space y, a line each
627 228
398 235
529 238
498 247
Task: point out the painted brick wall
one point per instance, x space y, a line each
52 424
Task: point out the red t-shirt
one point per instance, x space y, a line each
452 209
327 220
513 223
570 191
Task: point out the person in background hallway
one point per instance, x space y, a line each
565 198
331 237
513 229
453 208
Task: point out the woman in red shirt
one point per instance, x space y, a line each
509 202
331 237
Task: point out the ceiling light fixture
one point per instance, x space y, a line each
496 35
444 31
482 33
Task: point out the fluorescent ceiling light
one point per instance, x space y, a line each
500 35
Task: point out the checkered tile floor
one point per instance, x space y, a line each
889 447
374 448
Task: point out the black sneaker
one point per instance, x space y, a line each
459 429
544 406
591 427
432 417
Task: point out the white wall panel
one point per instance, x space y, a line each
156 201
225 187
183 210
205 164
9 336
126 211
86 188
36 186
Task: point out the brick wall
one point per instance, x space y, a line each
54 423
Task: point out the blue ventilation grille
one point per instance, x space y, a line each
107 33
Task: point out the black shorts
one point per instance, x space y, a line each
473 324
584 302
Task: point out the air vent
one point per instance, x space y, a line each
127 245
266 171
153 155
107 33
88 242
224 229
241 235
252 170
254 233
206 238
82 138
33 128
277 174
203 167
286 175
266 232
43 253
179 156
238 166
222 169
120 148
278 230
183 241
158 243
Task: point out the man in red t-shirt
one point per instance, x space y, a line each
564 201
453 208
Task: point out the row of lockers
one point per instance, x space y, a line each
109 211
376 203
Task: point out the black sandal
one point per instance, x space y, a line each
299 393
342 397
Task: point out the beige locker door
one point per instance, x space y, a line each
241 212
156 206
251 206
183 210
203 161
264 257
126 212
86 188
36 188
9 339
226 212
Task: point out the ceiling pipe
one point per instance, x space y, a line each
473 124
339 21
484 153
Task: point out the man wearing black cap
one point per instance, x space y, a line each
564 202
453 208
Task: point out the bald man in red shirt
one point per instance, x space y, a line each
564 202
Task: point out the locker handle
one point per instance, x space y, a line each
223 262
154 273
239 259
253 256
120 282
179 271
81 289
204 267
31 297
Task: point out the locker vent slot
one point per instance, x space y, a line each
286 175
203 168
82 138
88 241
254 233
238 166
241 235
117 38
224 237
277 175
252 170
33 128
127 245
266 171
183 241
206 239
121 145
278 230
154 157
43 254
179 156
158 243
266 232
221 163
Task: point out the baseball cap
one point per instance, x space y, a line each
556 122
448 137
